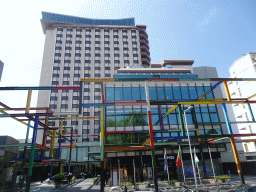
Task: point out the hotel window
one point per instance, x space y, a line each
125 36
126 61
97 97
67 54
116 61
86 122
125 43
97 30
66 61
87 36
106 36
116 42
135 61
97 36
77 61
57 55
134 43
116 55
75 106
66 68
116 48
126 55
133 37
64 98
97 61
87 55
126 49
87 61
76 83
53 98
135 49
59 29
87 68
87 75
69 42
106 42
107 61
58 41
97 55
97 75
80 36
87 42
65 83
124 31
135 55
107 75
53 106
115 30
116 68
74 122
97 48
58 48
69 35
88 30
78 54
87 48
66 75
97 42
107 49
59 35
97 68
107 55
64 106
56 68
106 30
76 75
86 114
107 68
55 75
133 31
67 48
115 36
78 30
75 97
79 42
86 97
56 61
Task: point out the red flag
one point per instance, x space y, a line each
178 159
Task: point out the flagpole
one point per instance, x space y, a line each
189 143
197 167
182 165
167 166
212 164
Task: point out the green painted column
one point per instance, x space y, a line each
181 120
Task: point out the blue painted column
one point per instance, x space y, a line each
224 108
251 113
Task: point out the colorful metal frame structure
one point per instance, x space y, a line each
147 145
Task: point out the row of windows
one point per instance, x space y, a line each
96 48
65 106
138 117
96 30
85 68
96 61
89 36
78 82
157 93
98 55
96 42
85 122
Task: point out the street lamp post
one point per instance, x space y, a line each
193 165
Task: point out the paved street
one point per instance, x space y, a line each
87 185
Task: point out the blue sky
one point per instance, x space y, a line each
211 32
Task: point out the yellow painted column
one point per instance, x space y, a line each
28 101
238 165
227 90
53 142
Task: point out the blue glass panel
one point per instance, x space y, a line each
198 118
135 93
165 121
166 135
110 121
209 95
189 118
119 93
144 111
119 121
201 132
206 117
137 111
200 91
197 110
174 134
127 93
214 117
212 109
192 92
127 111
127 121
119 111
176 92
177 117
172 119
168 93
218 131
154 110
163 111
142 93
145 118
160 93
110 112
155 118
110 93
152 93
204 109
184 91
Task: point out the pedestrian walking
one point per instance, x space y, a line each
70 175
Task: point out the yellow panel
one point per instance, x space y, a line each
146 142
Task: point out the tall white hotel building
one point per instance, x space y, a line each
77 48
